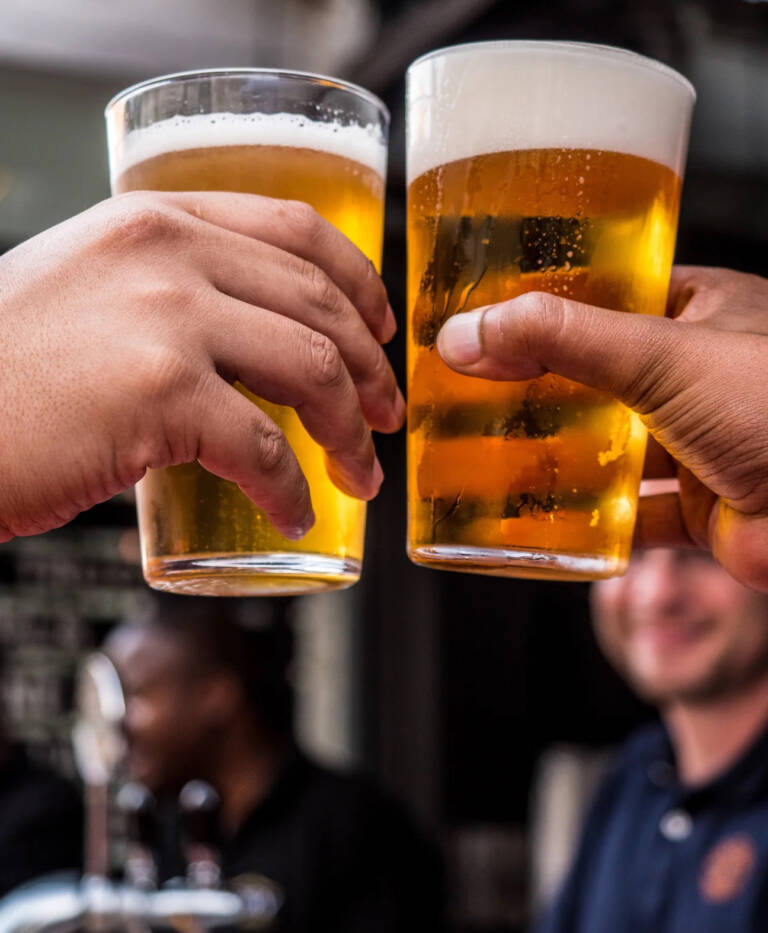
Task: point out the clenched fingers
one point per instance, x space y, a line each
269 277
297 228
290 364
240 443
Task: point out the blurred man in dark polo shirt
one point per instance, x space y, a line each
676 840
207 698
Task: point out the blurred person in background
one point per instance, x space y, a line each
41 818
209 699
677 836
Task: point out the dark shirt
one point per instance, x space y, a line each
658 857
41 823
347 857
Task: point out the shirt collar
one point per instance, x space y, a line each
745 780
287 786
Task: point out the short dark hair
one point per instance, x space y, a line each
248 639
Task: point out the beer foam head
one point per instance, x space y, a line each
499 96
363 144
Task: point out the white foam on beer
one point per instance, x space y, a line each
362 144
496 97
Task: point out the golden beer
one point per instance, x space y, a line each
536 478
199 533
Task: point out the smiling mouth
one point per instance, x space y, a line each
673 635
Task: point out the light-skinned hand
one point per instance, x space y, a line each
124 329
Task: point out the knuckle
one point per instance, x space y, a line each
547 313
536 326
140 221
326 367
163 294
272 449
162 371
324 292
301 217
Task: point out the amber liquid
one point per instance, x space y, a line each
199 533
536 478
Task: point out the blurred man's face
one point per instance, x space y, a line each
168 726
679 628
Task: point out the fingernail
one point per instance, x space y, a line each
298 532
389 328
378 474
460 341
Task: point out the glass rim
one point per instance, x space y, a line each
310 76
596 49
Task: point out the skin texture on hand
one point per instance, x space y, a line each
698 378
124 329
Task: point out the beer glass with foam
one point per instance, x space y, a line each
285 135
532 166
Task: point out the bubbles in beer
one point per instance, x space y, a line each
546 465
201 534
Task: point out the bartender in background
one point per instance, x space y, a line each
209 699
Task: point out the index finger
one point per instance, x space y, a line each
659 463
683 282
297 228
660 523
721 298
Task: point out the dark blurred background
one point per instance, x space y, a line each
468 697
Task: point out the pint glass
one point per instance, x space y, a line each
284 135
532 166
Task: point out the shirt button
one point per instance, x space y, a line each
676 825
661 773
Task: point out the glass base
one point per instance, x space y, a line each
268 574
511 562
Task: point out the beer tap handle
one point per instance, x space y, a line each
200 805
138 806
